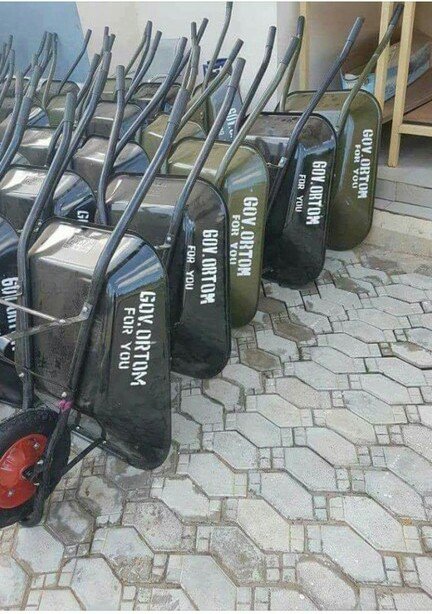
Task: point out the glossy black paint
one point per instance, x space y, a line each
102 120
198 279
126 378
89 159
10 384
19 187
296 229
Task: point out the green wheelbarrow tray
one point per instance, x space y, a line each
108 93
102 120
88 160
54 89
146 91
244 190
352 198
152 134
297 222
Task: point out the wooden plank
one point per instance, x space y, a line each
401 81
421 115
416 130
417 94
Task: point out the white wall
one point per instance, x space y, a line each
329 23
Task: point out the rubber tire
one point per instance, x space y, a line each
39 421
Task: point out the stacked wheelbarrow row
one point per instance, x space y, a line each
99 308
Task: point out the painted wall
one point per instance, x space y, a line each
27 21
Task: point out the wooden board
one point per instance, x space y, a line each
417 95
421 115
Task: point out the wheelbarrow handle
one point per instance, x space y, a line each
300 26
258 78
76 61
145 66
265 97
222 35
213 85
111 149
370 65
157 99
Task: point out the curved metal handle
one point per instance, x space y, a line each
157 99
144 68
265 97
258 78
213 85
227 20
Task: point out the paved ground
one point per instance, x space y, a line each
300 479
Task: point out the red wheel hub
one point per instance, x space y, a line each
15 489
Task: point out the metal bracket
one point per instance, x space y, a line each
41 328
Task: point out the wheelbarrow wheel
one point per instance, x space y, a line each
23 439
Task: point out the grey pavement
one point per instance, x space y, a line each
299 479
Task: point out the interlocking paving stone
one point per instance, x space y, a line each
58 600
70 523
336 361
412 354
331 446
348 345
310 469
257 429
348 300
203 581
324 307
235 552
157 524
213 476
287 496
264 525
297 392
411 467
394 494
404 292
372 409
325 586
94 583
421 337
300 478
183 497
355 556
13 582
101 497
373 523
350 426
224 392
235 450
385 389
38 549
185 432
398 370
419 439
126 552
288 599
394 306
276 409
412 601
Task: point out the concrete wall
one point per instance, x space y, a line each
27 21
